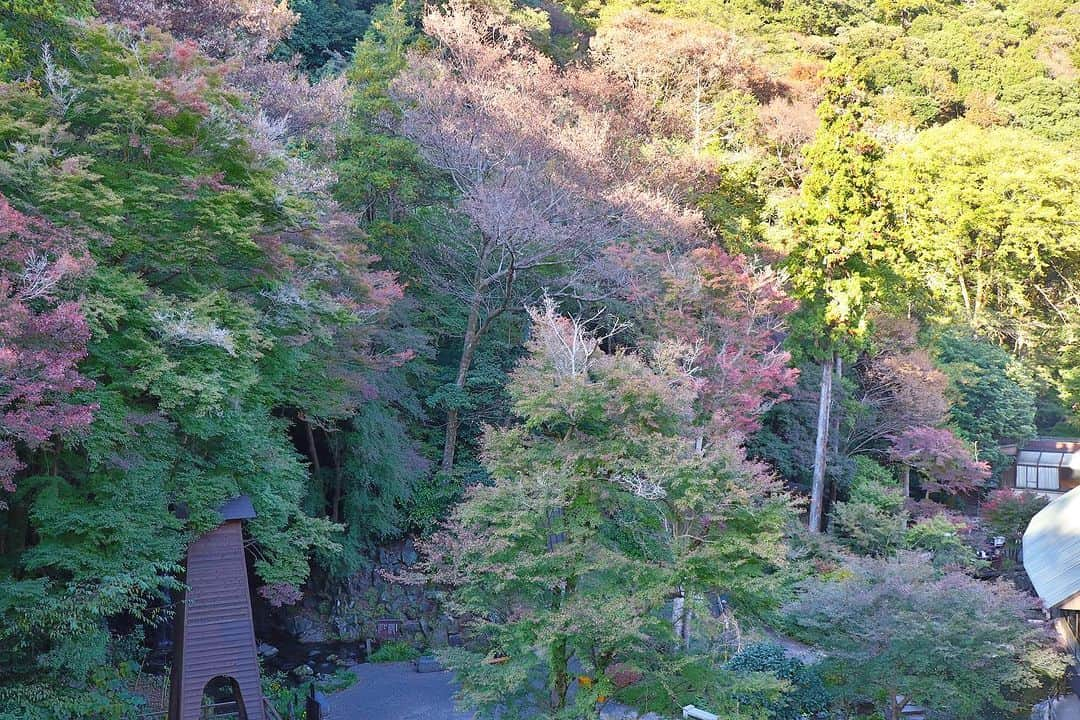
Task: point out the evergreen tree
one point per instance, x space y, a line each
838 258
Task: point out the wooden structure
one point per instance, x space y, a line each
387 629
215 635
1048 466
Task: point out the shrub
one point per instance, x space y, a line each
867 529
940 536
806 695
397 651
1008 513
874 484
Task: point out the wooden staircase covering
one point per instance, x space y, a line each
217 636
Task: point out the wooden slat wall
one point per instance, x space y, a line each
217 636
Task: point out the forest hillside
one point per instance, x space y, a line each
664 327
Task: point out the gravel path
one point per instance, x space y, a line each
395 691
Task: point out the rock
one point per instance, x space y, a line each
302 671
428 664
617 711
266 650
409 555
455 640
308 630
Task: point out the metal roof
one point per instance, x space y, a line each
1052 444
1052 549
239 508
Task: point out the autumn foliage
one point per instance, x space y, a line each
582 295
944 463
43 336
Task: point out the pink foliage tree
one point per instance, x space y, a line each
543 172
42 337
725 318
740 315
281 594
222 27
944 461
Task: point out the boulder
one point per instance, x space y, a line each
428 664
409 555
612 710
617 711
266 650
307 629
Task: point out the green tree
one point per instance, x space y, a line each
326 30
1007 512
221 306
941 537
838 259
872 521
806 695
602 515
993 402
23 24
990 223
899 631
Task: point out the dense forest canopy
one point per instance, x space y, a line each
636 275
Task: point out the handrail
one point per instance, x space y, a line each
270 710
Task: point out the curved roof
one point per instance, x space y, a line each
1052 549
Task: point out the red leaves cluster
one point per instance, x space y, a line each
741 321
213 182
729 316
184 94
945 463
280 594
42 337
623 675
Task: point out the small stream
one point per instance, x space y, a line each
322 658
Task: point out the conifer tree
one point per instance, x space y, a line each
838 257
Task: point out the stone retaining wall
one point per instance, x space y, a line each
367 597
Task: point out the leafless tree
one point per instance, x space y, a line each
541 176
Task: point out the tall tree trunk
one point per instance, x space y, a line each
897 703
817 492
335 513
453 417
559 667
311 448
834 423
680 619
18 523
560 675
905 479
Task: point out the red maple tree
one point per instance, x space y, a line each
43 336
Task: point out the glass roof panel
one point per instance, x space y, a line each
1051 459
